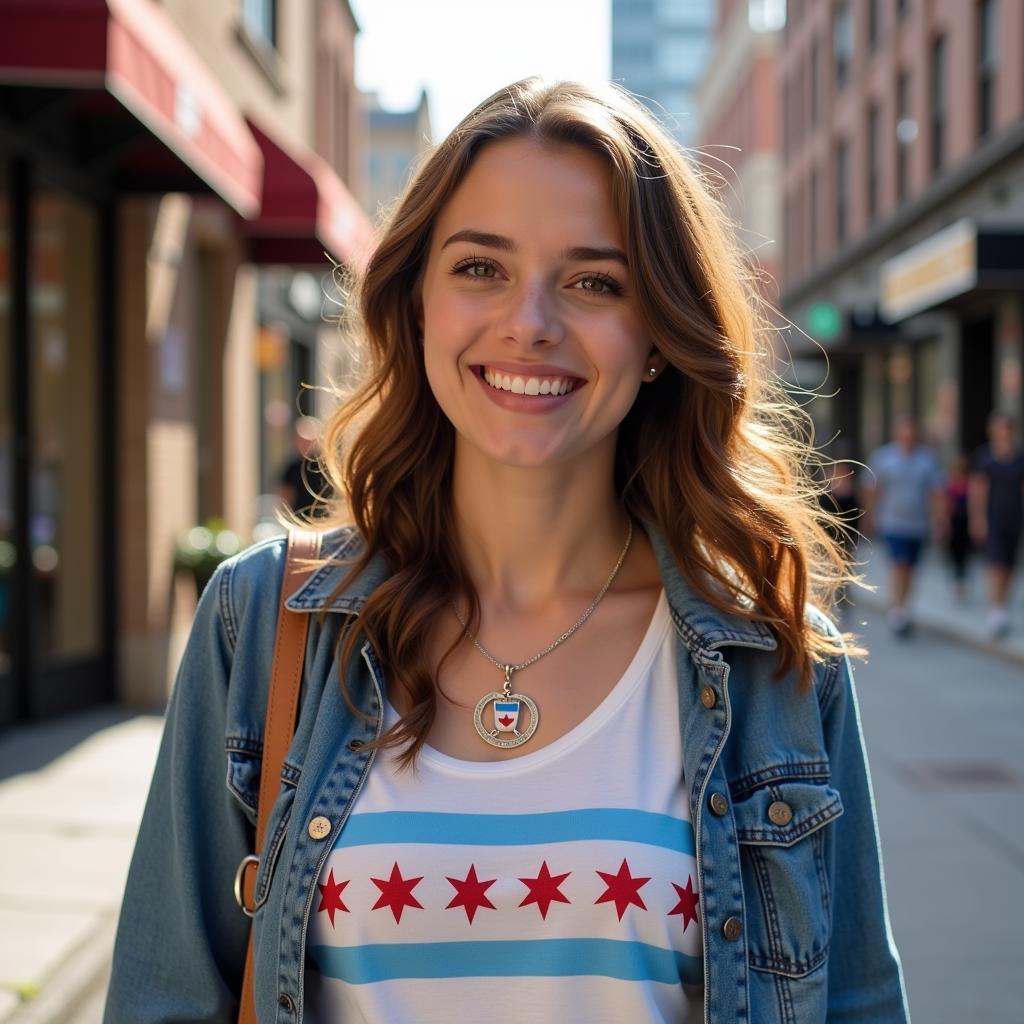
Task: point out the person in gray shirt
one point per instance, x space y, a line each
904 504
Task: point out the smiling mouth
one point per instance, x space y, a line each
523 385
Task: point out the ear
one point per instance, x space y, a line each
655 361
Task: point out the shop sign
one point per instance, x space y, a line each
824 321
937 269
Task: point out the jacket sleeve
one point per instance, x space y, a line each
181 939
865 981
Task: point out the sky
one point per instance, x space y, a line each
461 51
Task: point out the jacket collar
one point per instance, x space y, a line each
702 627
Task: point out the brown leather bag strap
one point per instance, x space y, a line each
282 705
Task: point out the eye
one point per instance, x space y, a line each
477 267
599 284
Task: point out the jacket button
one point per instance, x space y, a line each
708 697
355 744
732 929
780 813
320 827
286 1002
719 805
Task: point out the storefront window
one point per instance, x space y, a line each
64 492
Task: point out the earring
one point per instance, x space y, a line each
653 371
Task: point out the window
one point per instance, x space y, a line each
260 20
938 92
987 50
906 133
812 220
842 192
874 24
874 159
842 43
787 114
813 84
765 15
681 56
689 15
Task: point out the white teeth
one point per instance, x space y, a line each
528 385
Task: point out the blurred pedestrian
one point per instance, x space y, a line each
839 497
569 487
303 486
997 512
958 539
904 503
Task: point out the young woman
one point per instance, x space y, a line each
574 743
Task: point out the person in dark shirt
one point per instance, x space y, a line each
303 486
997 511
959 537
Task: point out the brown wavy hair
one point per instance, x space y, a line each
713 453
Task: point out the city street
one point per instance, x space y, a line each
943 725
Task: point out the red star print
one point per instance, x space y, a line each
470 893
687 905
330 896
544 889
396 893
623 889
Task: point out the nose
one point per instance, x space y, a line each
531 316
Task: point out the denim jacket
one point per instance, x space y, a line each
795 927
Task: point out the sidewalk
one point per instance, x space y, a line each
71 795
933 606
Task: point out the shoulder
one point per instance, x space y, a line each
833 673
249 584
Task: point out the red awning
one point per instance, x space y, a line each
132 50
306 211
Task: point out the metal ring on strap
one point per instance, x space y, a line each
239 878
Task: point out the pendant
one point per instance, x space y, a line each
507 705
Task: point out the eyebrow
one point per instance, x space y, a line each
581 253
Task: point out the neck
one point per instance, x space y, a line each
530 536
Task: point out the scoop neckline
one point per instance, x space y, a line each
635 672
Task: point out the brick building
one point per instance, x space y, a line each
167 171
903 209
738 127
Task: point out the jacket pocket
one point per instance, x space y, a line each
277 829
243 782
781 830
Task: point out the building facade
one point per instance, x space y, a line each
659 49
903 200
738 128
156 161
396 139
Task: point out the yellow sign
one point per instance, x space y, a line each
937 269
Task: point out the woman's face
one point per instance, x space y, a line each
533 341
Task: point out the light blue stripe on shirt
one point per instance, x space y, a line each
593 823
545 958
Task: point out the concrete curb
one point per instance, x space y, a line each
80 976
949 630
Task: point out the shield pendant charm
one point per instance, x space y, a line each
505 727
506 715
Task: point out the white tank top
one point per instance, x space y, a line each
557 886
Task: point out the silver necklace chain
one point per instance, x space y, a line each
509 668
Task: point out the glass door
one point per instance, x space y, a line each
65 473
